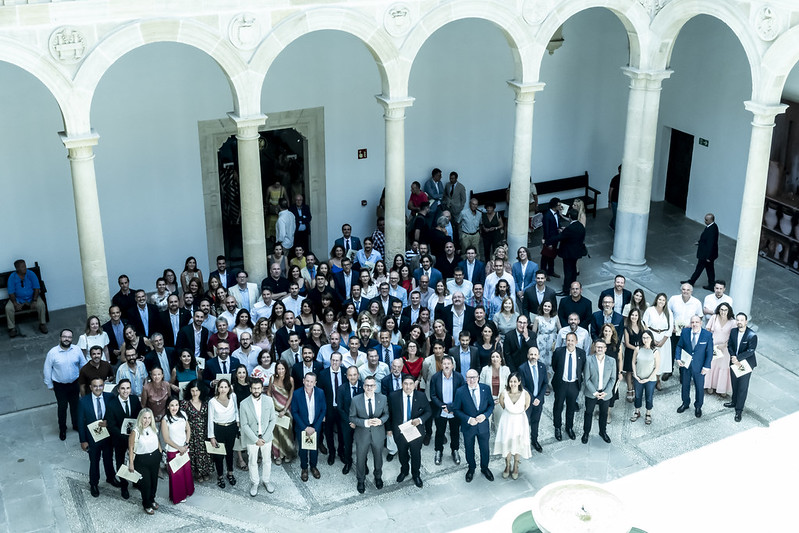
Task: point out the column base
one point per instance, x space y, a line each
613 267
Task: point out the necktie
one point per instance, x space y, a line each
385 356
474 399
335 386
521 340
370 411
452 190
224 367
353 392
535 380
570 369
347 248
296 357
127 408
396 383
99 409
408 413
693 340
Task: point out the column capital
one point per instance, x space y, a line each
247 127
72 142
394 108
764 113
650 75
525 92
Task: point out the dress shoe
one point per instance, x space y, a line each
315 472
688 281
113 482
570 433
254 490
401 477
707 287
426 440
13 332
379 483
125 493
346 469
95 491
269 487
390 457
418 481
304 474
584 438
729 404
456 457
469 475
558 434
331 459
361 487
487 474
698 413
62 435
605 437
665 377
322 448
555 275
737 417
562 293
439 454
43 328
537 447
681 409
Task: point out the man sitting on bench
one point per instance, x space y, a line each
23 293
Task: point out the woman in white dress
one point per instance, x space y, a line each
546 326
513 430
93 336
658 320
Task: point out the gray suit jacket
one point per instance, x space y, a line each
359 415
591 376
249 420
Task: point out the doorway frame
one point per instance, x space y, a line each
310 124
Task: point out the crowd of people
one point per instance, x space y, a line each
362 352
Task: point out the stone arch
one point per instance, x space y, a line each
346 20
781 57
134 35
670 20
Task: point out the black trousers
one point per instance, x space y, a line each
120 448
534 417
332 428
347 436
740 388
588 417
147 465
565 393
703 264
101 450
441 431
409 452
548 264
226 435
569 273
67 394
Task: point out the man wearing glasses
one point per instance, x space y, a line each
473 405
61 371
368 416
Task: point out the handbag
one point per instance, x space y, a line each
549 251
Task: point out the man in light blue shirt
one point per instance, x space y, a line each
23 293
61 370
133 370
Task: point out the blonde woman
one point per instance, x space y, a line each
144 451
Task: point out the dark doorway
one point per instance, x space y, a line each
679 170
283 154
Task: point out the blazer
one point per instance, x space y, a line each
437 391
559 366
151 361
524 281
212 368
527 381
387 384
572 241
325 382
165 325
530 300
229 275
87 415
341 286
299 411
281 342
591 382
355 242
703 352
186 340
248 419
252 290
446 316
345 400
297 374
747 348
486 375
435 276
153 320
550 224
455 353
359 413
302 215
708 249
598 320
455 200
379 300
113 345
626 296
420 408
516 354
463 407
115 415
396 352
479 273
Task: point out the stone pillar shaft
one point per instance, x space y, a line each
744 268
90 228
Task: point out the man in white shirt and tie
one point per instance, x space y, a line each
567 368
330 381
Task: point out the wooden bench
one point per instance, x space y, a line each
4 293
574 183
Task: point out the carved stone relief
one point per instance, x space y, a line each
244 31
397 20
67 45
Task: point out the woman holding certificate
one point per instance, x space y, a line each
145 457
223 418
176 431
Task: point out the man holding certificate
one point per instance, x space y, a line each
409 410
257 417
308 410
742 346
94 434
120 419
694 353
368 415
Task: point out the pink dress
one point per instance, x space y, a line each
719 376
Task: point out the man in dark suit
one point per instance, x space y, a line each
698 344
408 405
114 328
443 386
347 241
160 356
620 295
572 246
144 316
393 381
302 218
308 409
282 335
171 320
517 343
306 366
473 270
535 295
345 279
606 316
385 299
188 336
346 392
410 314
534 380
226 277
567 371
387 351
465 356
223 363
742 346
330 381
126 405
426 268
550 228
457 310
473 405
706 253
368 417
93 407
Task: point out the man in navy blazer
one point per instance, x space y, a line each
566 383
426 268
473 405
598 319
223 363
225 276
144 316
442 408
478 272
330 381
408 405
530 303
307 365
308 422
534 380
186 337
550 228
181 316
302 218
742 346
92 408
340 278
351 388
617 290
347 238
697 343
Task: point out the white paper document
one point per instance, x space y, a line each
220 450
741 369
409 431
223 376
308 441
178 461
98 433
283 421
127 426
124 473
686 359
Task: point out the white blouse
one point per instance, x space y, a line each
87 341
146 441
177 432
219 414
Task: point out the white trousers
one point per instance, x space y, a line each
266 461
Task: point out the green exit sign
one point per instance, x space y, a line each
703 142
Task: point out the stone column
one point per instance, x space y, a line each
90 227
394 114
253 234
635 191
519 206
744 267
